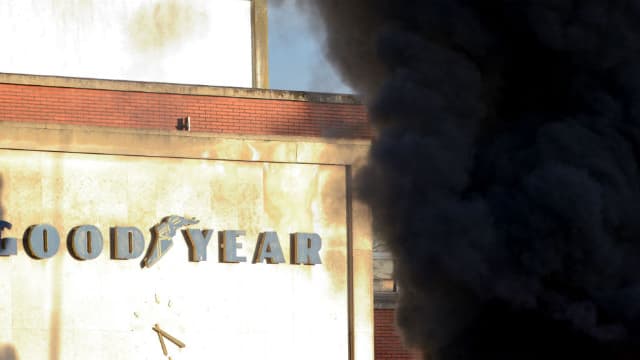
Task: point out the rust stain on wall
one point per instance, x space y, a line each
72 12
1 207
164 24
336 262
8 352
55 327
332 195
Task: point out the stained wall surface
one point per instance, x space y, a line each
178 41
63 308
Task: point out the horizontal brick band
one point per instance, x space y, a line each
212 114
388 344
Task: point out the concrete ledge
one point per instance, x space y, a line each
174 144
385 300
179 89
179 133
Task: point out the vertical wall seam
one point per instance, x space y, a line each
350 254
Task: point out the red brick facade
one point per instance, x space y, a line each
388 345
215 114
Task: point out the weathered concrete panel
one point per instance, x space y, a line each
62 308
105 308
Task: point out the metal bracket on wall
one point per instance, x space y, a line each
184 123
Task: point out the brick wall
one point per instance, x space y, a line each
215 114
388 345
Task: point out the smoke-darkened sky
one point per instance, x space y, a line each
297 59
505 173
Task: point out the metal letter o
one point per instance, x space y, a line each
86 242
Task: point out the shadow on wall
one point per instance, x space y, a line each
1 207
8 352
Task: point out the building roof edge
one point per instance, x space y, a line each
179 89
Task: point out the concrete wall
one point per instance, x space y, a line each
178 41
62 308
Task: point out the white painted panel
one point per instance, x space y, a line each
63 308
179 41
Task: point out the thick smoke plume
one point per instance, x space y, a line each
505 174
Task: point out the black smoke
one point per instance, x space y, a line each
505 172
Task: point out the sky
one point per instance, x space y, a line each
296 58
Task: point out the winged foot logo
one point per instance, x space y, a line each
162 237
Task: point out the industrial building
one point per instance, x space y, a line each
158 201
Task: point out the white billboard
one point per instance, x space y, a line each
204 42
